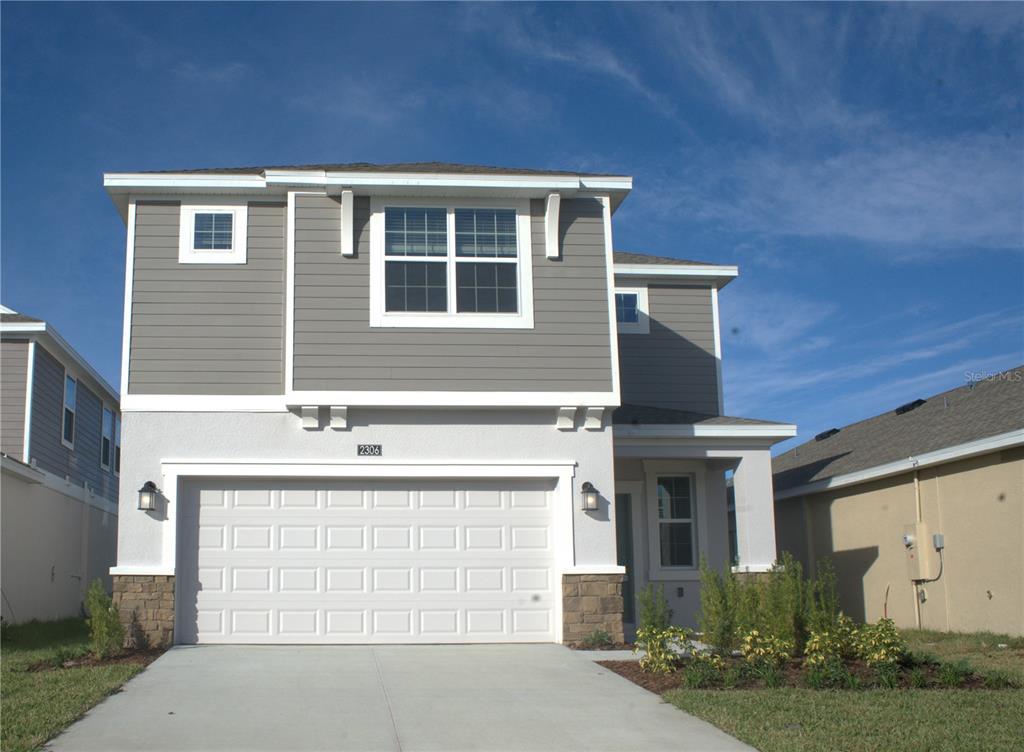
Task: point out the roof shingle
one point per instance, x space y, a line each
638 415
628 257
968 413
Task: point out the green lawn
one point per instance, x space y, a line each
931 720
37 705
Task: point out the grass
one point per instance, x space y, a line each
936 720
980 649
800 720
37 705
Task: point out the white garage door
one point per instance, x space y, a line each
366 561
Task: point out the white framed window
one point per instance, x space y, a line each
213 234
67 429
631 310
117 444
451 263
107 438
675 527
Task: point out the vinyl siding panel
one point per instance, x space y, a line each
335 349
207 328
674 365
13 375
81 464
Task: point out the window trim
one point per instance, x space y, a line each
643 324
64 408
115 467
451 319
654 470
189 254
103 413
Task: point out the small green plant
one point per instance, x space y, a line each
653 608
704 669
998 680
66 653
597 639
105 630
954 673
887 675
661 648
917 678
880 643
733 676
783 602
839 641
823 611
830 674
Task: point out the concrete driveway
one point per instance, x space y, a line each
445 698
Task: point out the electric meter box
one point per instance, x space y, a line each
922 559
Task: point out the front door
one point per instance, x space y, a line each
626 495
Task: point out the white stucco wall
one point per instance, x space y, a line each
53 545
453 436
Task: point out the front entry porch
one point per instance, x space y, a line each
672 503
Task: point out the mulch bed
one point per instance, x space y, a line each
611 646
138 657
793 676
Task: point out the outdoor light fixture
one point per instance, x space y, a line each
147 496
591 496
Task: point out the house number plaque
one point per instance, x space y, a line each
370 450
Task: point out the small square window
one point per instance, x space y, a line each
213 231
631 312
213 234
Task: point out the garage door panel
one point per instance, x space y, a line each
362 561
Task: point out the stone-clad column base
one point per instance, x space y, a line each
146 606
591 602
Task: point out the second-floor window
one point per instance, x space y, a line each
631 315
451 265
70 406
117 444
107 438
213 234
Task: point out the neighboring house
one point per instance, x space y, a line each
951 465
382 404
60 447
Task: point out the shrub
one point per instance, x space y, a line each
783 602
887 675
732 677
953 674
661 648
653 607
105 630
719 593
704 669
880 643
823 613
599 638
917 678
66 653
999 680
765 650
839 642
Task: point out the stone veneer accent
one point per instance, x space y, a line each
146 606
589 602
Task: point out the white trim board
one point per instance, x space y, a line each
697 431
30 374
938 457
37 475
720 275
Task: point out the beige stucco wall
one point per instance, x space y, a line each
976 503
51 547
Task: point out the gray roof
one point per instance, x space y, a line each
628 257
967 413
418 167
639 415
18 318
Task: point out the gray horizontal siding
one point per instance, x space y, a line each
335 349
673 366
13 375
207 328
81 464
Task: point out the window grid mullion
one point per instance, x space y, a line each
450 217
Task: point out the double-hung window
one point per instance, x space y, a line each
451 264
107 438
677 535
67 436
117 444
213 234
631 310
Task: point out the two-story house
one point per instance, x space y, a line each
417 403
60 454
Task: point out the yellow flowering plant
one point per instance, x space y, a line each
661 647
839 641
880 644
765 650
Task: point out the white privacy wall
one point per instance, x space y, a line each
459 436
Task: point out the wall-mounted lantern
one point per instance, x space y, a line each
147 496
591 497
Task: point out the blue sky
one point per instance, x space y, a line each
863 164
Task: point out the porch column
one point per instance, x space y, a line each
755 511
